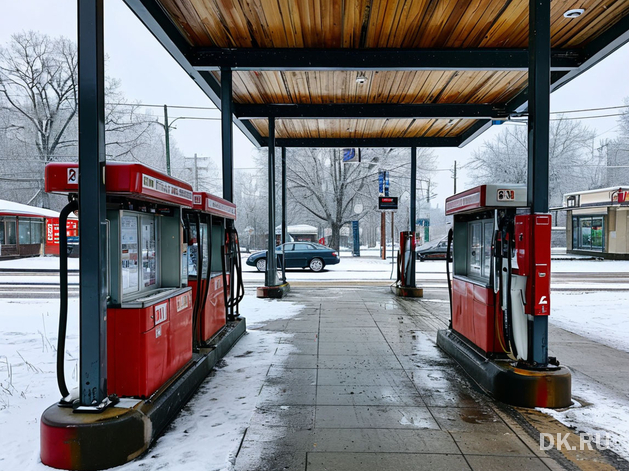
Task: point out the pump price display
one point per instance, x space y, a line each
505 195
387 203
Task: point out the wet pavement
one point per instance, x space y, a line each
359 384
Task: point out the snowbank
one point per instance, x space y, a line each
205 435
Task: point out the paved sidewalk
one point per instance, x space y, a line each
359 384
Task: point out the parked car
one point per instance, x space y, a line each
433 250
298 255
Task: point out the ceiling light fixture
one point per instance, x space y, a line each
361 78
577 12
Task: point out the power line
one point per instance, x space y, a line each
591 109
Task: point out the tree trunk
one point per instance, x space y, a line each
335 238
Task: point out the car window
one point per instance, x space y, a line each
288 247
302 247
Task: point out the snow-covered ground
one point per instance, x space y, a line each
218 413
597 410
601 316
46 263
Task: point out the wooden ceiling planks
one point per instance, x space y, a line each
363 128
380 24
320 87
384 23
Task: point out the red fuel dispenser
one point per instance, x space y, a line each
500 292
149 314
209 275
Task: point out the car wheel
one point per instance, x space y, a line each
316 264
421 257
261 264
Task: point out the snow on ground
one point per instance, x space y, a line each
583 314
46 263
598 412
217 415
28 385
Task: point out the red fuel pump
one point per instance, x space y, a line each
209 274
149 313
500 296
501 268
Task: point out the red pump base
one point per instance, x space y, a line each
119 434
508 384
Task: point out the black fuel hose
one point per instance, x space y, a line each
236 272
448 257
63 295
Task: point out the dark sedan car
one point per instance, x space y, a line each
298 255
433 250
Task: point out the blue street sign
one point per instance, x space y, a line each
381 183
356 234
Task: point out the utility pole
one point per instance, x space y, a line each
167 138
392 236
455 177
383 236
196 173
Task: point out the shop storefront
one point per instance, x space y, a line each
597 222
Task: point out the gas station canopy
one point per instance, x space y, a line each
370 73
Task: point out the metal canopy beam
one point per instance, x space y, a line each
538 146
369 142
92 208
208 59
367 111
158 22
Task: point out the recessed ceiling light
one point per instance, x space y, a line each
577 12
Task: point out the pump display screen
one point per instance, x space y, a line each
139 270
129 253
149 254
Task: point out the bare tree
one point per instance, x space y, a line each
38 77
321 184
38 114
574 162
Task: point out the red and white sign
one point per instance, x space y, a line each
161 313
124 179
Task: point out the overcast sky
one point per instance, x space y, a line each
149 75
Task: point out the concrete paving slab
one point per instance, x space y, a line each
273 448
388 362
357 377
287 395
280 375
501 444
296 361
297 348
464 419
368 396
293 337
374 417
367 440
294 417
355 349
385 461
502 463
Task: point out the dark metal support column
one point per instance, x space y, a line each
270 277
283 211
412 218
92 227
538 142
227 133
